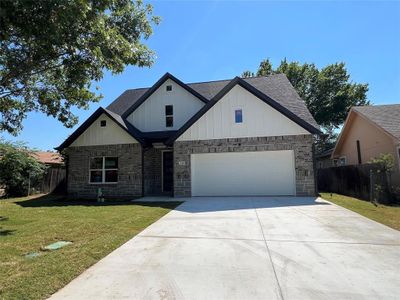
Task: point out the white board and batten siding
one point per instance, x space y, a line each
150 115
259 173
95 135
259 119
262 173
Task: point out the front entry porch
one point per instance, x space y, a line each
158 171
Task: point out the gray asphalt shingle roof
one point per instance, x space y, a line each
126 100
276 87
385 116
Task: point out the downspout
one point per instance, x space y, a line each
66 172
315 170
143 150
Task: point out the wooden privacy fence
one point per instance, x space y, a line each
368 182
54 180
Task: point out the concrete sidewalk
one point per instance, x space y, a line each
250 248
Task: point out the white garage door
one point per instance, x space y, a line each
243 173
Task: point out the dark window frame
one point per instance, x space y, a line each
169 115
103 123
238 116
168 88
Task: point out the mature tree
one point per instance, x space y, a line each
247 74
51 52
19 170
328 92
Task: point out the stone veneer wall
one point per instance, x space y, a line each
301 144
152 171
129 171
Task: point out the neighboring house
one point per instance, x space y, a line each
324 159
250 136
48 158
368 132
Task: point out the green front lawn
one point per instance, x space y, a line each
388 215
26 225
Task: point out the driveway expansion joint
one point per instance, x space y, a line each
199 238
268 251
333 242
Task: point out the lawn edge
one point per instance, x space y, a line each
357 212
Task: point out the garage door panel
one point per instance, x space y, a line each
243 173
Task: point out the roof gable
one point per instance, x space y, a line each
369 125
100 111
387 117
258 119
238 81
150 91
276 86
150 115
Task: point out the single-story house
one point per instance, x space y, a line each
250 136
48 158
368 132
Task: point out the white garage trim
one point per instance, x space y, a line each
258 173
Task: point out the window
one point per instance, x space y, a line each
103 170
335 162
103 123
169 116
238 116
341 161
169 88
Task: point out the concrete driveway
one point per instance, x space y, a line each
250 248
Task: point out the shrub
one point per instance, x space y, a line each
18 169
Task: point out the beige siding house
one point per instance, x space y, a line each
368 132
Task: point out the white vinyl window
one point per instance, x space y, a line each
103 170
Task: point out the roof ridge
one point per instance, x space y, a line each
135 89
218 80
210 81
230 79
373 105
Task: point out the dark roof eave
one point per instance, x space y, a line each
307 126
150 91
130 129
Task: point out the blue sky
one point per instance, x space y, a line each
201 41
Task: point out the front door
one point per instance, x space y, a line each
167 171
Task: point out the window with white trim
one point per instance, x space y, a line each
103 170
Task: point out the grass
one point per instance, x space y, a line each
387 215
26 225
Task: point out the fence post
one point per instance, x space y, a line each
371 186
29 183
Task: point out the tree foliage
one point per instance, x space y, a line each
386 160
18 169
328 92
51 52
